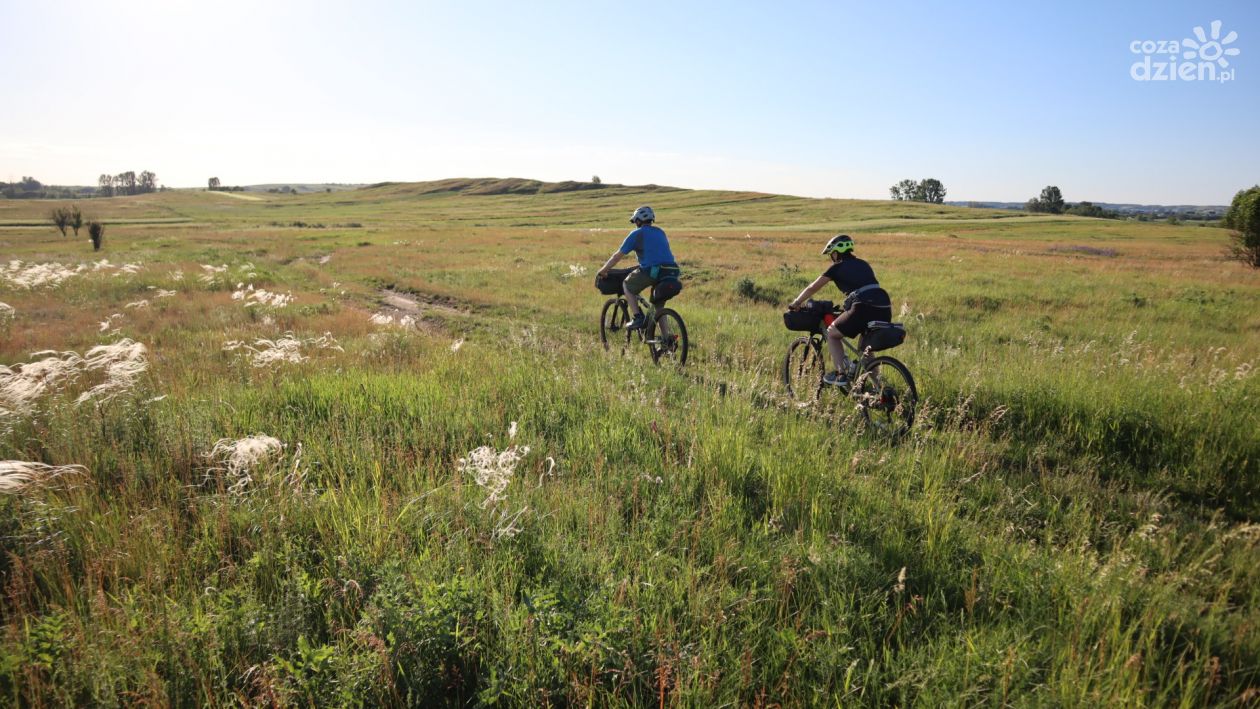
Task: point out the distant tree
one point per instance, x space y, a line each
214 184
60 217
147 182
292 190
105 185
127 180
1050 201
76 219
1243 217
96 231
595 179
931 190
904 190
30 184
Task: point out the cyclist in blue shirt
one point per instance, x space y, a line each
656 261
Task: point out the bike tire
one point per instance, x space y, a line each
674 347
887 396
612 324
803 371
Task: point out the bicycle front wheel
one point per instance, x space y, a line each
612 324
886 395
667 338
803 371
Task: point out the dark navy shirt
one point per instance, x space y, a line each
849 274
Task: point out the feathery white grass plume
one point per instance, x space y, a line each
16 474
35 275
108 323
123 362
6 311
210 274
257 296
23 384
457 344
240 458
163 293
287 348
138 305
325 259
493 469
177 275
575 271
129 269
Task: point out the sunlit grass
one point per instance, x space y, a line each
485 506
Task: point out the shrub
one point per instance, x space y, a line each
1243 218
96 231
60 217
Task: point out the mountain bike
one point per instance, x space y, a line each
663 331
881 387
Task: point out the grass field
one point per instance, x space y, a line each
485 507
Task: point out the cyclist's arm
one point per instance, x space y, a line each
612 261
809 291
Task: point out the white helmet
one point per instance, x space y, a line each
643 214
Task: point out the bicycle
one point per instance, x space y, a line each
663 331
881 386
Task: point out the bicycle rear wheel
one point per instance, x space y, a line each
886 396
803 370
612 324
667 338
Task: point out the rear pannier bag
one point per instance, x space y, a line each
611 283
808 318
882 335
665 289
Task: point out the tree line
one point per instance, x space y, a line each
31 188
126 183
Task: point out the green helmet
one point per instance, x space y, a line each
839 244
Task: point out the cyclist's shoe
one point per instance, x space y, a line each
835 379
638 322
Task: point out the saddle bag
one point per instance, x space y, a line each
882 335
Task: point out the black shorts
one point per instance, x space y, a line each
853 321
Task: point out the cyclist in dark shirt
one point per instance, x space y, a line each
865 301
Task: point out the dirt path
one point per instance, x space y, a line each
239 195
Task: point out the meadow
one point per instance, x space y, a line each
364 448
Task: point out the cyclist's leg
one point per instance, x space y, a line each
850 323
632 286
635 282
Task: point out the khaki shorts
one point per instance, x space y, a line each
638 280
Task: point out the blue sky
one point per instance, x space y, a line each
815 98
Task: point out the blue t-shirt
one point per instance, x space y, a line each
651 246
